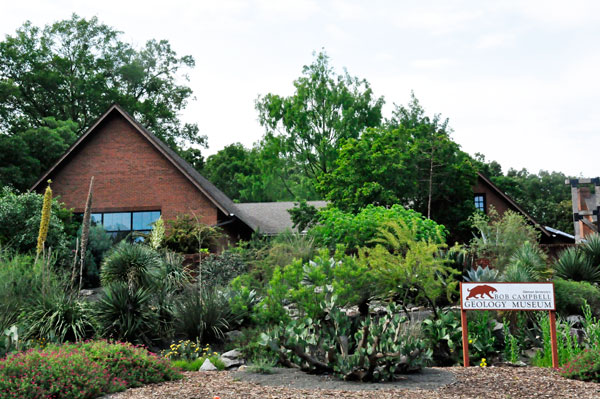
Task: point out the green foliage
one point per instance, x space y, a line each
99 243
567 345
512 346
570 296
482 343
202 315
409 162
591 249
84 370
187 235
358 230
408 268
20 284
574 264
303 216
126 314
324 110
20 216
374 349
499 237
73 70
189 355
219 270
443 335
135 265
58 316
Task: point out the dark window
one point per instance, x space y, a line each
122 224
480 202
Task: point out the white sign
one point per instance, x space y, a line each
507 296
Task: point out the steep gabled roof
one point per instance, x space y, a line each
216 196
513 204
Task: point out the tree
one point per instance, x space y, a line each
324 110
73 70
410 161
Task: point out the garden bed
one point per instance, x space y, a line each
474 382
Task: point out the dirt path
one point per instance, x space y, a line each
474 382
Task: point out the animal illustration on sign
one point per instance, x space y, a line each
481 290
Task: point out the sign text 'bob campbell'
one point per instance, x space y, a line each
507 296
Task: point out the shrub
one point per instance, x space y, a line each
133 264
573 264
20 216
84 370
58 316
127 315
570 296
443 336
482 342
584 367
219 270
376 349
358 230
186 235
591 249
202 315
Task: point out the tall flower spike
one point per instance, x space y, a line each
45 222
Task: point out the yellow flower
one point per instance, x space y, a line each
470 341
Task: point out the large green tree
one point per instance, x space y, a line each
73 70
411 161
324 110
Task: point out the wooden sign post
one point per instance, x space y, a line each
507 296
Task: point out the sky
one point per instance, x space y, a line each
518 80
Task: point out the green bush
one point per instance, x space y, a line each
127 315
202 315
358 230
443 336
574 264
20 216
219 270
133 264
78 371
58 316
570 296
186 235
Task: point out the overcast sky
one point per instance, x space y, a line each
517 79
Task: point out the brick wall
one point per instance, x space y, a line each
491 198
129 174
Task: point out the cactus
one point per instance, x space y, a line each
45 221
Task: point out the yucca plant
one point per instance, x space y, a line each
591 249
519 274
531 258
58 316
202 315
136 265
573 264
127 315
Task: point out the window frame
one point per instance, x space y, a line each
131 230
483 202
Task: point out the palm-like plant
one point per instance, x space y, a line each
138 266
127 315
202 314
573 264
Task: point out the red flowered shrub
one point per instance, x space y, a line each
83 370
585 367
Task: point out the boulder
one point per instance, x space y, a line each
232 354
208 366
575 321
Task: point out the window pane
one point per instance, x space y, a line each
117 221
480 203
96 219
144 220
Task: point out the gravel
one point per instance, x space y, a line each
452 382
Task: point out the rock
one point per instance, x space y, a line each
579 334
230 362
233 335
233 354
242 368
208 366
530 353
498 332
575 321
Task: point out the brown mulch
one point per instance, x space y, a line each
474 382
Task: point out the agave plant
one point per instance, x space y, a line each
572 264
481 274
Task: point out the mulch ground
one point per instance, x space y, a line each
474 382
